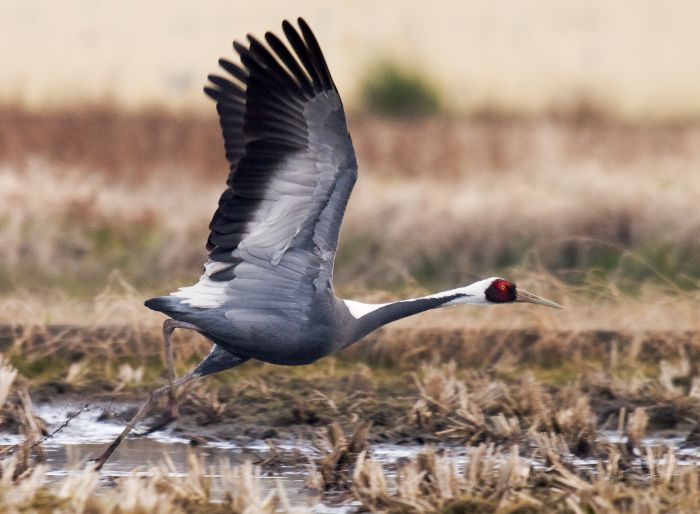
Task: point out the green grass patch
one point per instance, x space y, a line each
394 90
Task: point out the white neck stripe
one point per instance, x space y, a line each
471 294
359 309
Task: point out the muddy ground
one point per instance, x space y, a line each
418 386
407 421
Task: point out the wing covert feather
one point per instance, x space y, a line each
274 234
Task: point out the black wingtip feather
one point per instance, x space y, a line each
234 70
212 93
316 54
226 85
286 26
289 61
260 101
263 56
303 54
239 48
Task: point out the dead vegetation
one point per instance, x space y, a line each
130 145
543 438
338 454
528 412
468 387
87 192
158 489
490 479
496 479
162 489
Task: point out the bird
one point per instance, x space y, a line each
266 292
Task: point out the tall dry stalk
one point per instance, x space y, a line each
7 377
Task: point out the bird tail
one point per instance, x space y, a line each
166 304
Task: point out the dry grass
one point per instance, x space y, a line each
597 304
506 426
606 223
163 490
7 377
111 142
494 479
500 480
521 435
493 385
129 145
85 193
338 454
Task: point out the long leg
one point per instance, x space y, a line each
140 414
169 325
172 412
216 360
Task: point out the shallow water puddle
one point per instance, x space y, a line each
86 435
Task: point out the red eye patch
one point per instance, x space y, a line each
501 291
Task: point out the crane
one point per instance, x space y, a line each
266 292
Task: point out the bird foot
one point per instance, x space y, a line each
102 459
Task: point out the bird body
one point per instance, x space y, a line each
289 336
267 288
276 335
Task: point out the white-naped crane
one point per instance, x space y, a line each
267 288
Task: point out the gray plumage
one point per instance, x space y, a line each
267 289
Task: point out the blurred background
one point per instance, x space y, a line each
554 143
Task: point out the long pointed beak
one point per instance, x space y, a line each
524 296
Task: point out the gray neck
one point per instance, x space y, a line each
366 317
394 311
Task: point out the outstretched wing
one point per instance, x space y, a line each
274 234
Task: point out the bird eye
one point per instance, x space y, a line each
504 288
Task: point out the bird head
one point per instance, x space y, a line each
499 290
496 290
